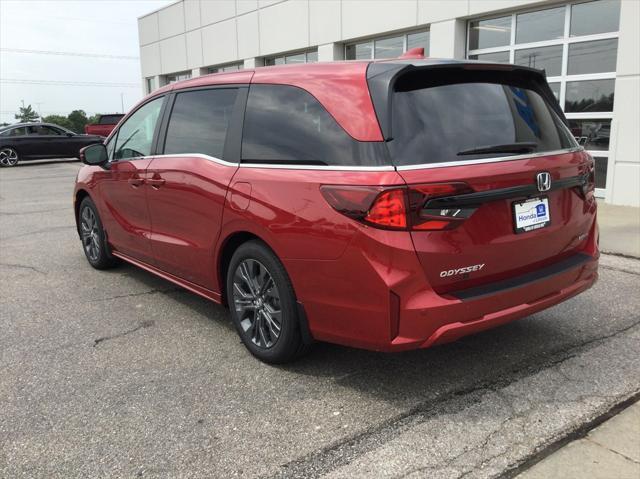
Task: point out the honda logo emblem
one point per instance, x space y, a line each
544 181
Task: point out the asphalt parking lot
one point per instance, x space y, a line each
121 374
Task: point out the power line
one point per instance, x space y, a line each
73 54
21 81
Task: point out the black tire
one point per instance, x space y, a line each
92 235
255 257
9 156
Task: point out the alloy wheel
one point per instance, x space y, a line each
257 303
8 157
90 234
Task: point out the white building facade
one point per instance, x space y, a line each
589 49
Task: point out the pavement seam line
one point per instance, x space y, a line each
573 435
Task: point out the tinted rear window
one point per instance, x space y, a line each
435 120
110 119
287 125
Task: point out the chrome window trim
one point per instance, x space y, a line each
369 168
317 167
275 166
446 164
196 155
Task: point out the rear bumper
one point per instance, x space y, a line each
491 310
378 298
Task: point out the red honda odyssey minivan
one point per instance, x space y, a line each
384 205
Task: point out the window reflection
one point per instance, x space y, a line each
595 17
490 33
591 95
546 58
593 57
540 25
591 134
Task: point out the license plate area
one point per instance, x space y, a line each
531 214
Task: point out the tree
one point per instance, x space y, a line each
27 114
78 119
59 120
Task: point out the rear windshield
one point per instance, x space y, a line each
438 119
110 119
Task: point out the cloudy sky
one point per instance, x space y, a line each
71 54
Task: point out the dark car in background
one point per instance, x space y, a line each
37 141
104 125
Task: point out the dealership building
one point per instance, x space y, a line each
589 50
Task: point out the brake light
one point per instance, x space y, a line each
399 208
388 210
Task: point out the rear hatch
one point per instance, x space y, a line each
498 186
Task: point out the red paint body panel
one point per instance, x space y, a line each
359 285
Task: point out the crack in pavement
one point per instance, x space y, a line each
22 266
345 451
611 450
142 325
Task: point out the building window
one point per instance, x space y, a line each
309 56
231 67
387 47
577 46
174 77
150 84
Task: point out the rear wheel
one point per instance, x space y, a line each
9 156
93 238
263 304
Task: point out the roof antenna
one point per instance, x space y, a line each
417 52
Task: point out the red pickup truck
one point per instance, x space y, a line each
105 124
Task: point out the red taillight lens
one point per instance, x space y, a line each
388 210
399 208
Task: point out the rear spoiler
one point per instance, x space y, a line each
382 78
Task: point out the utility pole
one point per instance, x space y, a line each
39 110
121 102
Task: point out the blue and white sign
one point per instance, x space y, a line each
531 214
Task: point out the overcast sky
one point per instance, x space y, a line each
86 27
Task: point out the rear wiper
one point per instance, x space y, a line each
521 147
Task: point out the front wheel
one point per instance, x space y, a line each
93 238
9 156
263 304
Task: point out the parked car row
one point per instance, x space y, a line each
38 141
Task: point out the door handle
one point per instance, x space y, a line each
135 182
156 182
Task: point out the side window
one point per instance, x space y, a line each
49 130
136 134
287 125
199 122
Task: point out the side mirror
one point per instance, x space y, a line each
95 154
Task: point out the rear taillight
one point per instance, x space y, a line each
399 208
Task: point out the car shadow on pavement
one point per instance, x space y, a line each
523 346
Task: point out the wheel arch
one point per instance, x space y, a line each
229 246
80 195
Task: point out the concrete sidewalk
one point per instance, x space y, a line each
619 229
612 450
